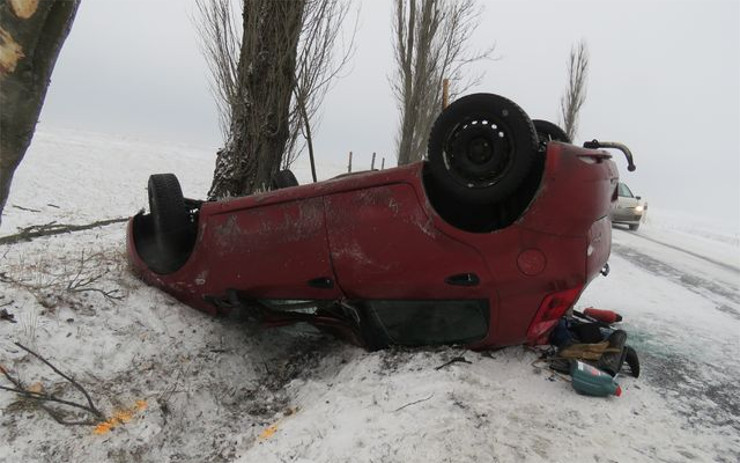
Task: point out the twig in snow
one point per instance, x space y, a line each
53 228
414 402
68 378
27 209
454 360
41 397
81 285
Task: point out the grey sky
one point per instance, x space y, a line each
665 79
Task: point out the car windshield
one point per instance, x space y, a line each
624 191
415 323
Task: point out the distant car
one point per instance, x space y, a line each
628 209
486 244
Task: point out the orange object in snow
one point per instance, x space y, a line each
605 316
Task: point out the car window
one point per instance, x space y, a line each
624 191
414 323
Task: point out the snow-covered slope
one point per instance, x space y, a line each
192 388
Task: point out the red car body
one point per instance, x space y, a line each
376 236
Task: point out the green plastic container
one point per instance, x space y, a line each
591 381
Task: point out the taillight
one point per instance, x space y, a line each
553 307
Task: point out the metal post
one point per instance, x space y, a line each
349 167
372 163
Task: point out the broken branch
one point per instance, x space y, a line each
53 228
91 405
414 403
460 359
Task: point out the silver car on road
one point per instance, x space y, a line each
629 209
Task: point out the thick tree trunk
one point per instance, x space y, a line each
253 152
32 33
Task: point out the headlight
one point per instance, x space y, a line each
639 208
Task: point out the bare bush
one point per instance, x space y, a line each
431 43
575 93
61 279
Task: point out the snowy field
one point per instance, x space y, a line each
189 388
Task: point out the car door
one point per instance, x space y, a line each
384 246
626 203
272 251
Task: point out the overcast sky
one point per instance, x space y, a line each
664 78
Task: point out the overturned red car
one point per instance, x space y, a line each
485 244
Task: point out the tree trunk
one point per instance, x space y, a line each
32 33
266 77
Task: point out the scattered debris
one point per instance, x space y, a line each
587 346
460 359
120 417
7 316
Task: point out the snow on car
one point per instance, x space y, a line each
487 243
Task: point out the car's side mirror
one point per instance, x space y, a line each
638 198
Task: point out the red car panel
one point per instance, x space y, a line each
488 243
377 237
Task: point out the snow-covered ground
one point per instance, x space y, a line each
192 388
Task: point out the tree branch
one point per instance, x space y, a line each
53 228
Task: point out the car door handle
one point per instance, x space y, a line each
321 283
463 279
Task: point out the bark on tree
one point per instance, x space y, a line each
265 78
430 44
268 82
32 33
575 93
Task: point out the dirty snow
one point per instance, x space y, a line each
221 390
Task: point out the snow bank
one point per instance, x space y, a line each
224 390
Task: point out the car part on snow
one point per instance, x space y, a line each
481 147
591 338
612 359
589 380
283 179
596 144
605 316
173 234
547 132
632 361
586 351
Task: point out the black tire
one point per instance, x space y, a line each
547 131
481 148
634 226
171 221
283 179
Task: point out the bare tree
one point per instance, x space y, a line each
431 44
31 35
269 74
575 93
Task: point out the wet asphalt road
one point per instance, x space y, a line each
703 385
